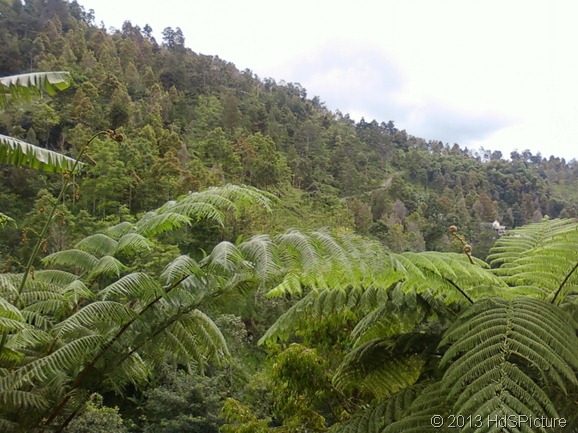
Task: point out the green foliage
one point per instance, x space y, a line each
17 152
510 358
97 418
95 327
539 259
240 419
505 354
124 290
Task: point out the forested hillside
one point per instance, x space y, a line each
235 256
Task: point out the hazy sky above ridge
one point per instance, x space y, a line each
501 75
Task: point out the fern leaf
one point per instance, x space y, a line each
431 401
98 244
374 368
225 257
135 286
73 259
510 248
260 250
153 223
131 243
498 345
381 412
178 269
95 313
119 230
107 266
446 275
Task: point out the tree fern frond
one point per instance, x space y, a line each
431 401
210 336
261 251
98 244
321 303
291 285
9 311
381 412
197 210
26 400
72 259
63 360
107 266
542 256
153 223
119 230
8 426
9 285
8 324
224 257
508 249
373 367
178 269
135 286
240 195
56 277
96 312
298 250
132 243
385 321
447 275
192 338
330 246
497 347
321 259
212 203
76 291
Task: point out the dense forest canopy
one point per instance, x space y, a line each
233 255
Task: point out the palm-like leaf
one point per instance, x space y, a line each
24 86
19 153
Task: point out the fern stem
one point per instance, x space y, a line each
46 226
459 289
563 283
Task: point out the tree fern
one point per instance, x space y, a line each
381 412
510 357
98 244
447 275
86 324
180 268
432 401
540 259
74 259
377 368
321 303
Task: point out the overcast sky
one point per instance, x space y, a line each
497 74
